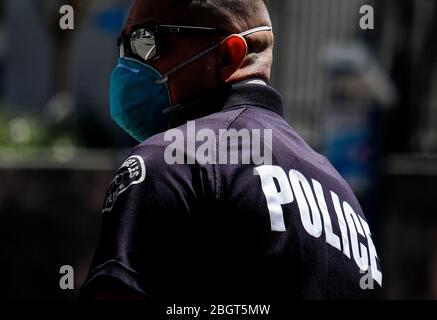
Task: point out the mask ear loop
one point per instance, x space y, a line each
164 78
179 107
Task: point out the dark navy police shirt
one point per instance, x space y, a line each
194 232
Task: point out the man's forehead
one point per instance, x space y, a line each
147 11
173 12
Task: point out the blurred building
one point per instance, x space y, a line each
402 42
45 65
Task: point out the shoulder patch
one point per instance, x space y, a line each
132 172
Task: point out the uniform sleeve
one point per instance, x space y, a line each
147 216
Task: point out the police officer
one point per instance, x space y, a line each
183 221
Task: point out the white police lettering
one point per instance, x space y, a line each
274 197
132 172
376 274
309 200
342 224
362 259
302 189
331 238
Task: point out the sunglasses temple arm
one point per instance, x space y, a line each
255 30
164 78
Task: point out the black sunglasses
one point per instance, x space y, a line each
144 41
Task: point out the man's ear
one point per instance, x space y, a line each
233 51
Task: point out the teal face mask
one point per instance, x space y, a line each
140 100
137 100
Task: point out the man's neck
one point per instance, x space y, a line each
206 105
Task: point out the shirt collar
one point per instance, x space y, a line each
254 94
254 81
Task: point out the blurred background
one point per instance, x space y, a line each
367 99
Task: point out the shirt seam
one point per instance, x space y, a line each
228 123
259 106
97 272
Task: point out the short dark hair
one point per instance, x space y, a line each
243 15
240 9
247 14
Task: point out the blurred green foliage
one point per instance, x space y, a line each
22 131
